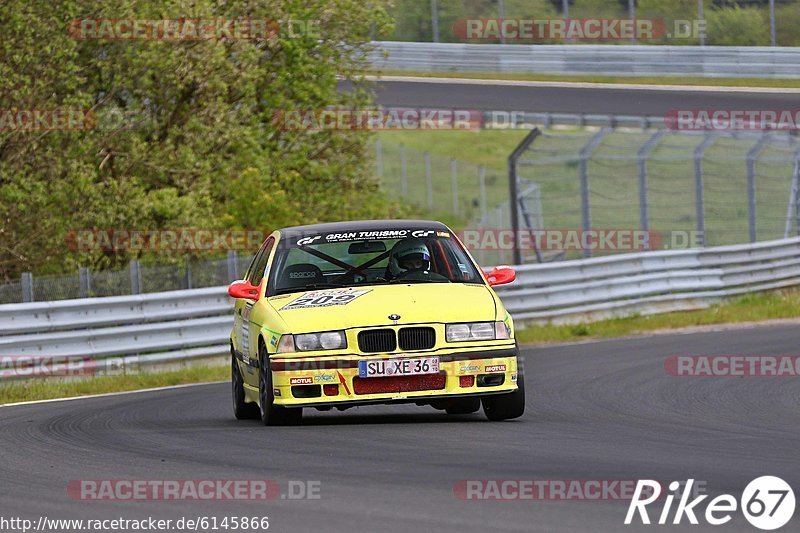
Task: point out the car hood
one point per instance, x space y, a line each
415 303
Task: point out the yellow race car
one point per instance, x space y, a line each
371 312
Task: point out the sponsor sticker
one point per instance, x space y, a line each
495 368
301 381
325 298
467 369
374 234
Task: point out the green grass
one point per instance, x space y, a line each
644 80
613 179
750 308
489 148
44 389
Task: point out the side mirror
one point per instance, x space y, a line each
501 275
243 289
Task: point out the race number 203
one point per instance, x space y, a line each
325 298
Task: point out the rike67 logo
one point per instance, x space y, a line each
767 503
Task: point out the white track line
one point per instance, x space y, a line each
585 85
170 387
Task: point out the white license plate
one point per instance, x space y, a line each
398 367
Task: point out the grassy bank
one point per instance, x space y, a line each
56 388
749 308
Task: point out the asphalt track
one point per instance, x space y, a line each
564 99
604 410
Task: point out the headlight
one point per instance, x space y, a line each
475 331
327 340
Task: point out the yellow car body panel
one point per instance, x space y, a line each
268 319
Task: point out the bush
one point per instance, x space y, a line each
737 26
787 21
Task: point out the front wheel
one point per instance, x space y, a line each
506 406
271 414
241 409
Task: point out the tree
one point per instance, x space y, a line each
180 127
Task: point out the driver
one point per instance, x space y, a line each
409 255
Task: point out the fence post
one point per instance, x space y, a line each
632 17
773 41
583 172
428 180
233 260
513 190
699 201
701 17
403 174
752 155
378 158
26 282
501 13
797 192
793 212
502 255
641 167
188 272
482 188
136 277
454 184
435 21
84 281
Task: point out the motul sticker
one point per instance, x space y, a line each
495 368
301 381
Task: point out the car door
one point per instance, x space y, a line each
249 331
238 307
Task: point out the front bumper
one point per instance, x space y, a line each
330 381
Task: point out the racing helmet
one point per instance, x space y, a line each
409 255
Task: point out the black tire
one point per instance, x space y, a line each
241 409
506 406
464 406
271 414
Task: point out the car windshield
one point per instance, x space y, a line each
357 258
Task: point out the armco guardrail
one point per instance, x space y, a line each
118 332
177 326
649 282
611 60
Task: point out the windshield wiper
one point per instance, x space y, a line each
310 287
